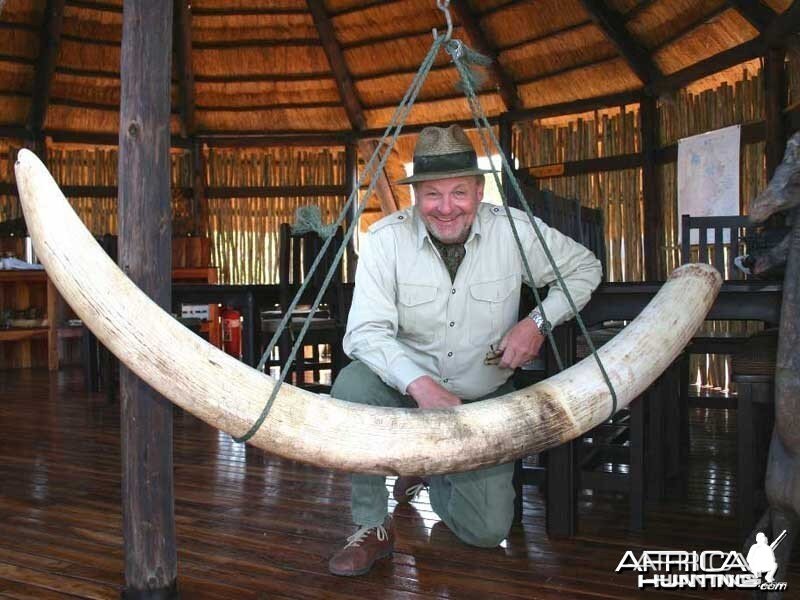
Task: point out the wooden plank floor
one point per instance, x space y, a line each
253 526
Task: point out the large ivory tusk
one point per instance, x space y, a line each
332 433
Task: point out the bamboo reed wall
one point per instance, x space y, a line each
591 135
687 114
617 193
793 76
9 205
244 231
90 166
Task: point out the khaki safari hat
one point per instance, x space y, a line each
443 152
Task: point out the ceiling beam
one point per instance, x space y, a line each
364 6
704 68
613 26
638 9
347 89
383 186
575 106
505 85
185 68
783 25
758 14
248 12
50 40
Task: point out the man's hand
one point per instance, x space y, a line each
520 345
429 394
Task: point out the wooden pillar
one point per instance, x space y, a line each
774 101
148 518
199 201
351 180
653 215
507 146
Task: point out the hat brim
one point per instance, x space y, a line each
444 175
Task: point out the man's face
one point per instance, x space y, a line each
448 206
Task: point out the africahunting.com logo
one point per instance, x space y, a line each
709 569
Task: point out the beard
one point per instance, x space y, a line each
455 232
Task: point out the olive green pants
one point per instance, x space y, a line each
478 506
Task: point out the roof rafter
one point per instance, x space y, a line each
183 53
704 68
613 26
782 25
101 6
347 89
759 15
505 84
383 186
46 63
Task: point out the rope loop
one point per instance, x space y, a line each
463 57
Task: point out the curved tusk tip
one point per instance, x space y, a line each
26 157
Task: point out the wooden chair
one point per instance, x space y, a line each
296 254
735 228
612 457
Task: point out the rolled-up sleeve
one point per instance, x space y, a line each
372 322
580 270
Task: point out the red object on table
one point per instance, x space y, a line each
232 331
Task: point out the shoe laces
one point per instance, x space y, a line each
415 489
355 540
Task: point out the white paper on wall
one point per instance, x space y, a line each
708 177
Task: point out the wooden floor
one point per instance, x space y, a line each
252 526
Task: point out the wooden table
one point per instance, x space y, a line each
736 301
239 296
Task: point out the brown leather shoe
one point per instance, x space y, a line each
363 548
406 488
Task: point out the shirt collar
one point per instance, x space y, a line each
422 231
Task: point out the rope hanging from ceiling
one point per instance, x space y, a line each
466 61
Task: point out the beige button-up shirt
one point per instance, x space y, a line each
408 319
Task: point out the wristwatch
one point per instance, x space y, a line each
543 325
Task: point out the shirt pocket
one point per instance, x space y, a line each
415 308
493 309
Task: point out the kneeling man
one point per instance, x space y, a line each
437 288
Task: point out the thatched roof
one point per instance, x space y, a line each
261 66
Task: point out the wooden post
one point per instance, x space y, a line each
506 145
653 217
351 180
199 201
148 518
774 101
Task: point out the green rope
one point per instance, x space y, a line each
308 219
460 56
393 130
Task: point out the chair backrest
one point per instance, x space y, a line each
297 253
583 224
735 228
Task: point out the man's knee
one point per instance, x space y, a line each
349 383
490 531
358 383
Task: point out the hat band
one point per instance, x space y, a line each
456 161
